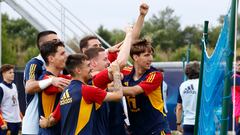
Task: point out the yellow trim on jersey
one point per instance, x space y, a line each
163 133
32 71
156 100
48 102
83 116
127 68
97 106
151 77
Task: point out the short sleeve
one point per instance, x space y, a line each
33 70
179 100
101 80
1 94
112 56
53 89
152 82
93 94
57 113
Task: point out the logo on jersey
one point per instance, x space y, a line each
65 99
14 100
189 90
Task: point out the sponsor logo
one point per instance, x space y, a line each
189 90
65 99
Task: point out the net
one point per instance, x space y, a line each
214 73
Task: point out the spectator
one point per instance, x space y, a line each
237 96
10 119
187 99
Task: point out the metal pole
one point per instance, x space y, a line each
184 75
188 52
63 23
229 62
0 33
205 35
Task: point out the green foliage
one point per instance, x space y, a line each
112 37
164 29
179 54
168 39
18 41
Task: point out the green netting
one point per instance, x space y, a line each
214 73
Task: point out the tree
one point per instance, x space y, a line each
112 37
164 30
19 41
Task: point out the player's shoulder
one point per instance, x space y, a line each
127 70
34 61
154 71
69 77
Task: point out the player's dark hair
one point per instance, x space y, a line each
43 34
74 61
141 46
84 42
93 52
49 49
192 70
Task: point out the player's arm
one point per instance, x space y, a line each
117 92
151 83
31 75
132 91
98 95
53 89
138 25
125 48
52 119
3 123
179 111
33 86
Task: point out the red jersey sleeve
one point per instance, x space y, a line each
112 56
101 80
127 70
53 89
69 77
93 94
2 121
152 82
57 113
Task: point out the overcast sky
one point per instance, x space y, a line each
119 13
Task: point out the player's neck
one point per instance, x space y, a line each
79 78
93 73
139 71
53 70
7 81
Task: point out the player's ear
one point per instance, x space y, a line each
77 70
135 57
50 59
93 63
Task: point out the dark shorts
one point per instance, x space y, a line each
188 129
13 128
237 128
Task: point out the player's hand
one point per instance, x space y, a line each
43 122
143 9
60 82
4 127
115 48
115 67
179 128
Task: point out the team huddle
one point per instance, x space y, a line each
82 94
